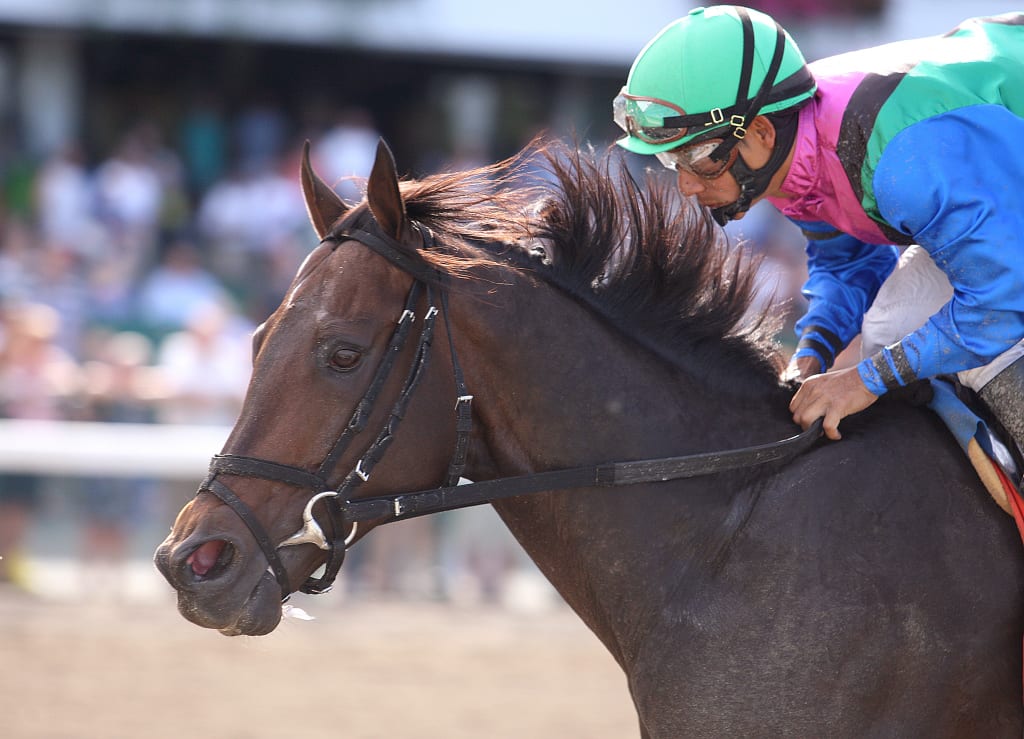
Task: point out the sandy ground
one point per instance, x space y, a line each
104 670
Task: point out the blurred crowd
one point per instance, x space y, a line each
129 289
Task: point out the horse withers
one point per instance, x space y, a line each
867 587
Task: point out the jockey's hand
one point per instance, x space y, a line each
834 395
800 368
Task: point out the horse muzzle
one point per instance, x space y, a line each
219 585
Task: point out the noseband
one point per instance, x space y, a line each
345 513
424 279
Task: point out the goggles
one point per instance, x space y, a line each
651 120
696 159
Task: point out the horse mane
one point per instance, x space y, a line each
646 260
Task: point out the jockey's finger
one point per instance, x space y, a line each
803 415
831 425
798 400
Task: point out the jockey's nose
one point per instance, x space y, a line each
689 183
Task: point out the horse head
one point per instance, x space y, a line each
336 368
355 397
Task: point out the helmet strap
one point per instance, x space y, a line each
754 182
739 128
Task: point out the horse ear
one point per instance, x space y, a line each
324 205
382 193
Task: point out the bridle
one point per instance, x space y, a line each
345 513
425 279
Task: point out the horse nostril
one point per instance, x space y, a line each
208 556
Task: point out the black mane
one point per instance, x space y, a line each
647 261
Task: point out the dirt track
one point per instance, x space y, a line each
360 671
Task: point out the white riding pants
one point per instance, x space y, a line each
914 292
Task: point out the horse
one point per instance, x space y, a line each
859 588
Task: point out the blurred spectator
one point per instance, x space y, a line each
38 379
203 137
120 386
249 223
177 289
207 367
64 197
174 214
398 562
59 283
18 170
18 274
260 133
129 197
129 188
344 155
37 382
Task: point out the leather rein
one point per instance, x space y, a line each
345 512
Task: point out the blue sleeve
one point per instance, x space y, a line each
956 183
844 275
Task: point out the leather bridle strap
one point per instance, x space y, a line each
392 250
373 454
230 464
422 271
463 407
361 415
386 508
233 464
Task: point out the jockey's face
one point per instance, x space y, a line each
712 193
717 192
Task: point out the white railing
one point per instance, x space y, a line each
83 449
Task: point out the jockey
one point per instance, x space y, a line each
912 143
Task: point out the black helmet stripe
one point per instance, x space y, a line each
767 83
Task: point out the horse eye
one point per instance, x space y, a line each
345 359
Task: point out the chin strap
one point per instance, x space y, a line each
754 182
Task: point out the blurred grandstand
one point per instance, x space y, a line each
150 217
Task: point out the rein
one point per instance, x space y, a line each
400 506
345 512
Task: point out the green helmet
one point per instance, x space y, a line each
713 70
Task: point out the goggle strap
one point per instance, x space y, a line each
697 119
721 153
793 85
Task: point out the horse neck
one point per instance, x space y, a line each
556 386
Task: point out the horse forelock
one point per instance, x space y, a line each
647 261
